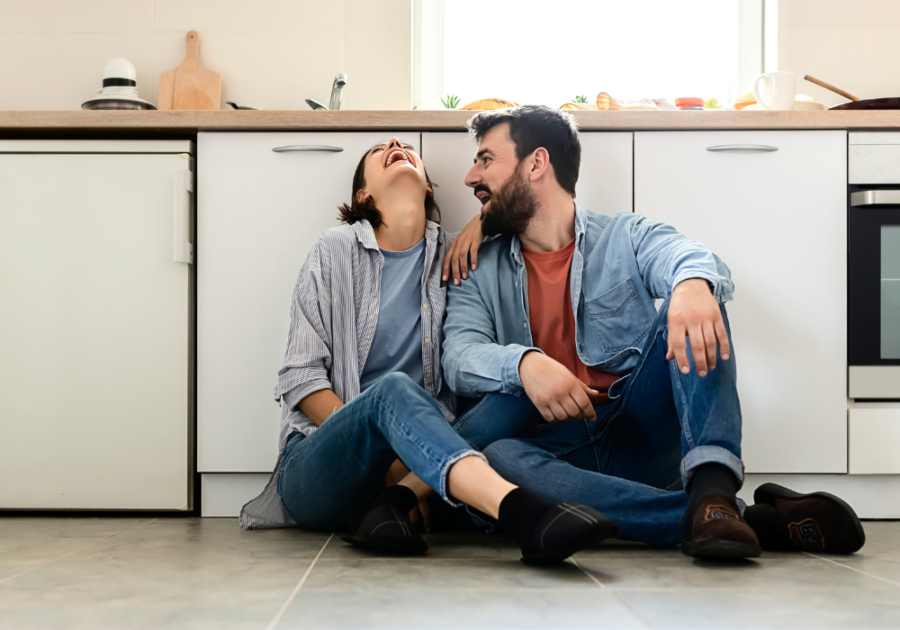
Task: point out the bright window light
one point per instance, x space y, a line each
538 51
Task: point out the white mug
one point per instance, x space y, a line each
775 90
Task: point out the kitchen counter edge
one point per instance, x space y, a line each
18 122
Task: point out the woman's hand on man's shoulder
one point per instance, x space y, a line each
463 252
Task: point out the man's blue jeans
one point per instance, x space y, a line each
633 461
340 467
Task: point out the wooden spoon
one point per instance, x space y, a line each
830 87
190 85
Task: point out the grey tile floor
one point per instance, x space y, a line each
207 573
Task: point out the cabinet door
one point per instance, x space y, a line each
94 333
778 220
259 213
604 184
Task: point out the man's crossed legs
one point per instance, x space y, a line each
662 460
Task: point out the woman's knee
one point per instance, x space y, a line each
395 383
503 455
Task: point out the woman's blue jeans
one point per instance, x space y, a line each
633 461
340 467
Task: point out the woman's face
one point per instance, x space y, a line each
392 167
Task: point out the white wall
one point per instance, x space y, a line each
851 44
271 53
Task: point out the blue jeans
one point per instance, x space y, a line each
340 467
643 448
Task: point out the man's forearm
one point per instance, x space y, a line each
319 405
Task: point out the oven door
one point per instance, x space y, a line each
873 292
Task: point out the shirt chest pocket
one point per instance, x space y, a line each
618 318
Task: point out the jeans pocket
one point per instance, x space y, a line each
618 318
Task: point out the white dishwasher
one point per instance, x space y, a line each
96 333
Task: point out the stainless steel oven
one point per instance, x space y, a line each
873 266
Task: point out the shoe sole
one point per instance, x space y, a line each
769 492
398 546
560 552
720 549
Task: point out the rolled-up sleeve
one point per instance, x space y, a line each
665 258
307 359
474 363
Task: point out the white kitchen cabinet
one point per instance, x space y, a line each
778 219
259 213
95 325
604 184
874 435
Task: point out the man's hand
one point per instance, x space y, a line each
694 313
422 513
554 390
463 247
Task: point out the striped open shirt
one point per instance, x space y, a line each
333 318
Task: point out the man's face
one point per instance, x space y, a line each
498 181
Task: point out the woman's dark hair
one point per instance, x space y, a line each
356 210
534 126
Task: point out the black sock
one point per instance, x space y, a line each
521 512
400 497
707 480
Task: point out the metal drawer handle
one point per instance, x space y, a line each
875 198
743 148
307 147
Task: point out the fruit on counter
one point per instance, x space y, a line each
743 100
490 103
578 107
712 103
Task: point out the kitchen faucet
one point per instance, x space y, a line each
337 92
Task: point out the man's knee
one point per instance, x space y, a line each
504 455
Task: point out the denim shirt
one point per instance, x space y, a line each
620 265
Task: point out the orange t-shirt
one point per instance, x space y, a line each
552 319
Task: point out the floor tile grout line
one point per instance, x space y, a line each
615 597
297 588
63 557
847 566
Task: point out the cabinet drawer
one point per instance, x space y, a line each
875 441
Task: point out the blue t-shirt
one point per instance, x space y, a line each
397 346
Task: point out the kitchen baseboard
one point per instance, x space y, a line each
872 496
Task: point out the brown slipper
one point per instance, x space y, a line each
718 531
816 522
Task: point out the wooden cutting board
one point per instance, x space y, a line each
190 85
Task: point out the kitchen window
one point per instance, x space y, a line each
535 51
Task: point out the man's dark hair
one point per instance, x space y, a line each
356 210
534 126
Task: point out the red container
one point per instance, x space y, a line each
689 103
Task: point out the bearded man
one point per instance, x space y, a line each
599 397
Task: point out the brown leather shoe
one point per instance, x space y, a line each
718 531
815 522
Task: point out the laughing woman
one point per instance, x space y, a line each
361 386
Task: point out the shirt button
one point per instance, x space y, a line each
427 339
428 375
425 306
517 284
525 325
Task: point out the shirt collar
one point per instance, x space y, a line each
365 233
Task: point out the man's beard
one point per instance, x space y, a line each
511 208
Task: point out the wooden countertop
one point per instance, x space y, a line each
180 123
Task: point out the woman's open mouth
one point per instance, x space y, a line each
396 155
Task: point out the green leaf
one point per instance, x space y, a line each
580 99
450 101
712 103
